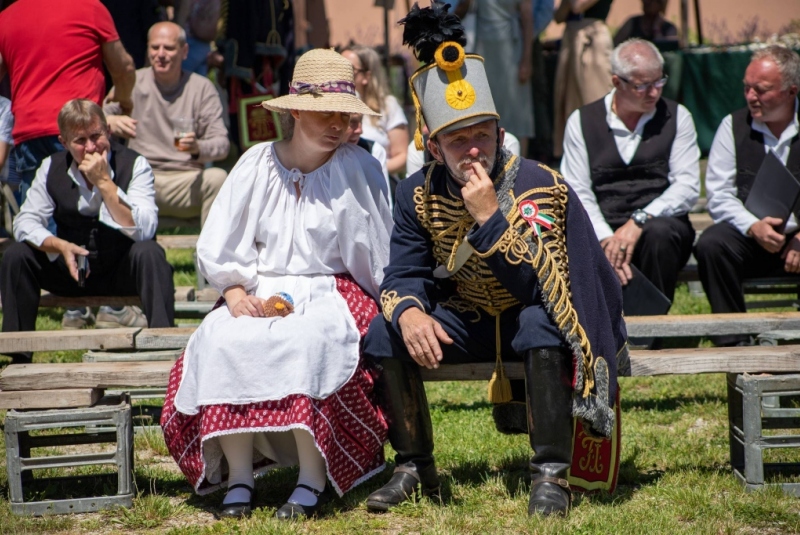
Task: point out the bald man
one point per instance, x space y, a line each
185 187
632 158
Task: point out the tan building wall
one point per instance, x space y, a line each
723 20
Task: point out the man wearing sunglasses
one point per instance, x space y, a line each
740 244
632 158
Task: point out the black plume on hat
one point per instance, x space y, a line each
427 28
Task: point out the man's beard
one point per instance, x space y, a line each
461 173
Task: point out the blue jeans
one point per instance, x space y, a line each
29 155
196 60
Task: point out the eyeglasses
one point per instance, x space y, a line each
641 88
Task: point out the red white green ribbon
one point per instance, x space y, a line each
530 212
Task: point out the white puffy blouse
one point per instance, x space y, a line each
261 235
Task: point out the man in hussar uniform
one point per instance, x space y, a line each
493 258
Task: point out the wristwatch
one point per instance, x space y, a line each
639 217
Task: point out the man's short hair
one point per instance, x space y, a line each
181 32
79 113
622 60
787 60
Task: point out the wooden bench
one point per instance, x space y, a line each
61 385
79 384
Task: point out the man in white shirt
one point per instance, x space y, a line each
102 199
739 244
632 158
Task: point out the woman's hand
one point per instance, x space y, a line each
249 305
241 304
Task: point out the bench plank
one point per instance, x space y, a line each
643 363
54 376
177 241
665 362
687 325
712 324
51 399
67 340
164 338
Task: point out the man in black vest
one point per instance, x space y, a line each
739 244
103 202
632 158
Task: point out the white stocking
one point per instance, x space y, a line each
312 468
238 450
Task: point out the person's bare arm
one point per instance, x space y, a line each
579 6
398 149
525 69
5 150
123 74
562 12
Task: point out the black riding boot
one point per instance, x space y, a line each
405 405
548 376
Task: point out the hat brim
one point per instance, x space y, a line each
331 102
464 123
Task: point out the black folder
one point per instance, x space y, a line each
775 191
640 297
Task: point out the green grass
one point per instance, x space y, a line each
674 477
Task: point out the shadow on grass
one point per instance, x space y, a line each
669 403
447 406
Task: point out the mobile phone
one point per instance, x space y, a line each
83 266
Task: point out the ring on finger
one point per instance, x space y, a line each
623 248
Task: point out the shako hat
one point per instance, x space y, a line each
450 90
323 80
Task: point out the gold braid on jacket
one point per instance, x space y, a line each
448 221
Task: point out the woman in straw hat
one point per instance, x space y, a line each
307 220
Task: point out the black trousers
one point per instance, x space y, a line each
725 257
143 271
474 339
662 250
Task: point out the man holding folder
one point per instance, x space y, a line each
741 244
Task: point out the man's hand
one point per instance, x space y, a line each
188 143
122 126
480 198
422 334
619 249
792 256
764 233
94 167
69 251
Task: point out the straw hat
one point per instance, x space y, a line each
323 81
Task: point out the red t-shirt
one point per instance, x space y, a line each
52 51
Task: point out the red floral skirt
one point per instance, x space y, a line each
348 427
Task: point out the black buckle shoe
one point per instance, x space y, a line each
405 483
549 496
237 509
291 510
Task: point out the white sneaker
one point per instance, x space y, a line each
108 318
75 319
